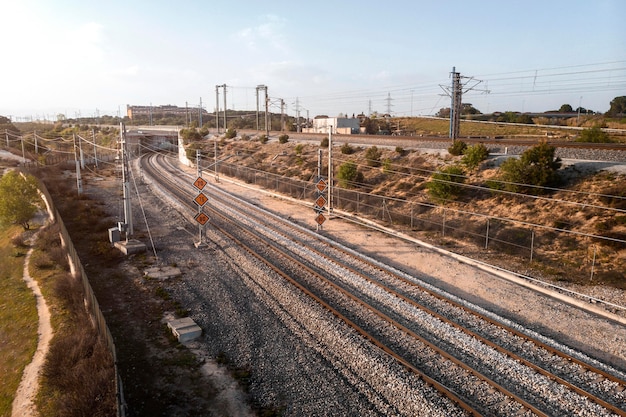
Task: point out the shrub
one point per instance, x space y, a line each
324 143
348 174
399 150
457 148
445 184
230 133
263 139
594 135
474 155
283 138
537 166
373 156
299 148
245 137
346 149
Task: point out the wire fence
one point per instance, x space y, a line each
589 256
91 302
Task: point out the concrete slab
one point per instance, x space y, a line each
130 246
162 272
184 329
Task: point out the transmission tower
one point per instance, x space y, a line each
389 105
455 92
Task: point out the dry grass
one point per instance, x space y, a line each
18 317
571 257
78 375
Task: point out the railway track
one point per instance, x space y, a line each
480 362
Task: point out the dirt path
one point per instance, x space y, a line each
23 404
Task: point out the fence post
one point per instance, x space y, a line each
593 262
443 223
532 244
487 234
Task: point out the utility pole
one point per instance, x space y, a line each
455 92
128 214
298 115
200 114
217 108
268 119
264 88
225 125
282 115
330 170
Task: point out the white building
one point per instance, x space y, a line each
341 125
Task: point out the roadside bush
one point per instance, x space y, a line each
324 143
349 174
346 149
373 156
399 150
594 135
445 184
457 148
299 148
474 155
537 166
263 139
283 139
230 133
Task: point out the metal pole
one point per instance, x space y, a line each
217 178
95 154
217 108
79 181
128 214
225 125
487 234
330 170
593 263
82 157
199 174
532 244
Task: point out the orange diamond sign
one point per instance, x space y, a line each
201 199
320 202
202 218
320 219
321 185
200 183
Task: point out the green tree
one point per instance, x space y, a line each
537 166
618 106
349 174
457 148
373 156
446 183
19 198
474 155
346 149
566 108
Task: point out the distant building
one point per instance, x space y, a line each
161 111
341 125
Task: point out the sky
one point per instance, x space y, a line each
88 58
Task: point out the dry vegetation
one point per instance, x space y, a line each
160 376
403 175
